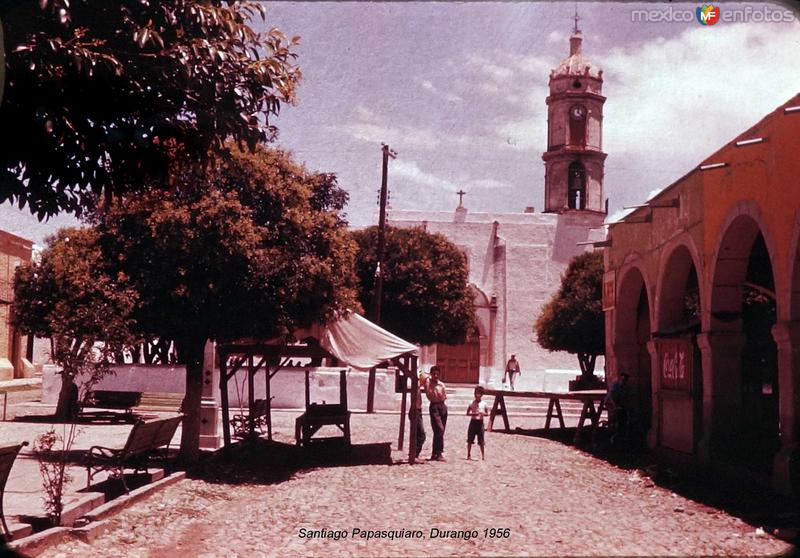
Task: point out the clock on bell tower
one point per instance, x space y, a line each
574 159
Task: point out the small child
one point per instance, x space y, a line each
477 410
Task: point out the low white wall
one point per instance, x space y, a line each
287 386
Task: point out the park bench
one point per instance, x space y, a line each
146 438
7 456
259 416
102 399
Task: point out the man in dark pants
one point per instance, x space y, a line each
438 411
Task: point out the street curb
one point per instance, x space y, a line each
79 508
118 504
91 528
90 532
39 541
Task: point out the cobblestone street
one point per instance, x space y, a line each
552 498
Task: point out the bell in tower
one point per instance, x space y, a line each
574 158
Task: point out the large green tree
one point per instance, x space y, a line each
67 296
246 247
573 319
101 94
426 297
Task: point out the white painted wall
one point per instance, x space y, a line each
287 386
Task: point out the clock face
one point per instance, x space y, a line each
577 112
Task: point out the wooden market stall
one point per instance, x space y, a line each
350 341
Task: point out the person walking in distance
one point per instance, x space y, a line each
512 370
476 410
435 390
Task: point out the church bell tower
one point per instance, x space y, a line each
574 159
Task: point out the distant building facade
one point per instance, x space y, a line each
516 259
702 299
14 362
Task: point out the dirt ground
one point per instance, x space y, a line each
532 496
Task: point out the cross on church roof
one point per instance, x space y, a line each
461 198
575 30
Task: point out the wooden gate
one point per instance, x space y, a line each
460 364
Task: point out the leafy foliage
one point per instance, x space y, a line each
573 319
243 248
426 298
101 95
51 450
68 297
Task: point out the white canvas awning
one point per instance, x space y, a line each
358 342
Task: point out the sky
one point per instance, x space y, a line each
458 90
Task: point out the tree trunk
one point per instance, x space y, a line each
67 406
587 363
190 430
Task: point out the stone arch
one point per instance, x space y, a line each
678 258
741 377
632 325
482 310
728 268
466 363
786 474
791 300
632 278
674 351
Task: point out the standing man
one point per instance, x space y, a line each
435 391
512 370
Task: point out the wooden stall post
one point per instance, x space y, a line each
371 391
223 392
415 410
251 428
308 388
268 394
343 389
402 415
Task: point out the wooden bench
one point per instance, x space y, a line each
318 415
587 397
145 438
258 416
8 454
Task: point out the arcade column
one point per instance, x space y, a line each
721 353
786 466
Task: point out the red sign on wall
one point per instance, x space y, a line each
675 357
609 288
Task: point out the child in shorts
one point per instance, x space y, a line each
477 410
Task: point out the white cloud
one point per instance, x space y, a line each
396 136
364 113
527 134
487 184
430 87
410 170
691 93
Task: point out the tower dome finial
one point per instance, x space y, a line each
575 39
575 29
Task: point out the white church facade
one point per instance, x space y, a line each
516 259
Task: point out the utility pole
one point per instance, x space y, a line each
376 305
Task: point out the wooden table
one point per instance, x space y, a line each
588 412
